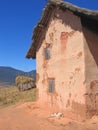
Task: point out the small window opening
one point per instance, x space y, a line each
51 85
47 53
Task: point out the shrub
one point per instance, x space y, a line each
24 83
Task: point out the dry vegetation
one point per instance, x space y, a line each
11 95
24 83
23 80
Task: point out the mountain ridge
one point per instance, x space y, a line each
8 74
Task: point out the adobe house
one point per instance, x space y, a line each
65 45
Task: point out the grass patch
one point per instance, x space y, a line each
10 96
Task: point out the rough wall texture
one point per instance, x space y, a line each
91 71
66 65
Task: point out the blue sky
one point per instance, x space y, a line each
17 20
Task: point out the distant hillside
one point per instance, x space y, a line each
8 75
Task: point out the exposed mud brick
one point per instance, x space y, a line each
37 77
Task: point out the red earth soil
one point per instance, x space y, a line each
29 116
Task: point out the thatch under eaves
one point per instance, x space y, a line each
89 19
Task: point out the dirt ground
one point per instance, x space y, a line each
28 116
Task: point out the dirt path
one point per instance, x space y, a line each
29 116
